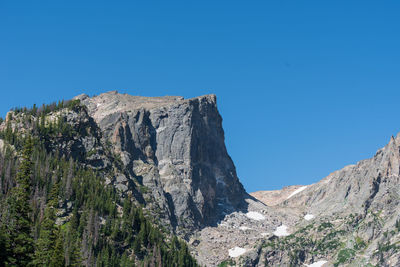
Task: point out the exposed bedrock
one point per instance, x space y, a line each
174 147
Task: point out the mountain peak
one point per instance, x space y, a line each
113 102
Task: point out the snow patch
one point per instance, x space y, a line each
244 228
281 231
98 105
309 217
298 190
255 215
236 252
264 234
317 264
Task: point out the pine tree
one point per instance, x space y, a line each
96 234
48 232
72 247
9 131
57 258
19 228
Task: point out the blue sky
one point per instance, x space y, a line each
304 87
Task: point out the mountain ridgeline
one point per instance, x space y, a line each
112 180
121 180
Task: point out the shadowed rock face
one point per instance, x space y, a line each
174 147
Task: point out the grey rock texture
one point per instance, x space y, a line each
356 216
174 147
369 184
275 197
84 143
240 229
169 154
173 159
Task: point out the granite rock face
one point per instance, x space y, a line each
175 149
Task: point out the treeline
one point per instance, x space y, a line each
54 212
34 119
47 131
47 108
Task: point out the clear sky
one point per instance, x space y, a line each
304 87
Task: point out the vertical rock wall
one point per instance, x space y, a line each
174 147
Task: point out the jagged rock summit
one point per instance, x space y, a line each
175 148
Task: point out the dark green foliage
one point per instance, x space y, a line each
92 232
18 226
344 255
398 224
385 247
314 239
226 263
46 109
8 134
57 258
49 233
360 243
324 225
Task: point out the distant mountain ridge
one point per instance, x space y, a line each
366 196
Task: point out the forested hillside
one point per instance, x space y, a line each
56 206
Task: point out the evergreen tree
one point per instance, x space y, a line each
19 227
72 248
57 258
48 232
96 232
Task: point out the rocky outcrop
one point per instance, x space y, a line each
80 138
175 149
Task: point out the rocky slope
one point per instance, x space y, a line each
275 197
351 217
169 154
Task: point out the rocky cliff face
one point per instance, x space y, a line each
169 153
175 149
166 152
